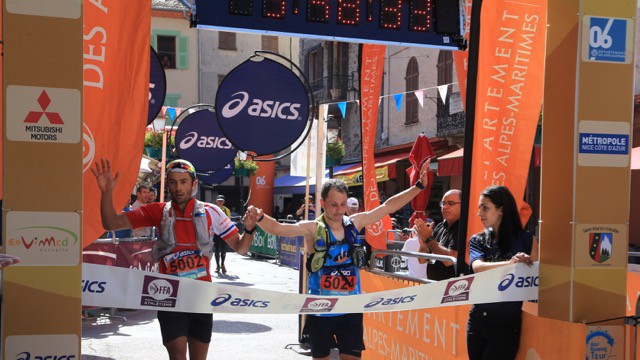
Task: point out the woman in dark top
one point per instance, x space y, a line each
493 330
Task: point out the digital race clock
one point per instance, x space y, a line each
429 23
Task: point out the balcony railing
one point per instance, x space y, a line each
331 88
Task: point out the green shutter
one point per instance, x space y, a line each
154 40
182 61
172 99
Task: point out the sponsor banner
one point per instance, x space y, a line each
262 100
35 347
124 288
601 246
508 98
261 186
264 244
355 179
370 83
68 9
200 141
289 250
604 143
157 86
605 342
217 177
606 39
127 254
116 98
39 114
44 238
461 62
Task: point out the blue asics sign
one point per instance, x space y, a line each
262 106
200 141
608 39
157 87
213 178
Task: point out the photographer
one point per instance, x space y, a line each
312 210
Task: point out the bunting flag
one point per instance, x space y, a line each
442 91
171 113
508 98
343 108
370 82
420 96
398 99
113 84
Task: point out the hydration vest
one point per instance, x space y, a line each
167 239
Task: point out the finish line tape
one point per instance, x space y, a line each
110 286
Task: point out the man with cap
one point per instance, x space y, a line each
352 206
219 246
184 247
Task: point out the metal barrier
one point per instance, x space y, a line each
431 257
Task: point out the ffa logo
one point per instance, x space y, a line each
600 245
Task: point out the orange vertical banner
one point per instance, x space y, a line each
461 57
508 97
261 187
116 93
371 83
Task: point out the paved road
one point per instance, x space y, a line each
234 336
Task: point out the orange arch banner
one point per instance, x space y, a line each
508 97
262 186
116 92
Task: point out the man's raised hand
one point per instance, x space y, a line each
102 172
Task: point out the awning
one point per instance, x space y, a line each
381 161
287 184
451 164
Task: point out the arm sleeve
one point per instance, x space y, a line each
147 215
220 223
476 252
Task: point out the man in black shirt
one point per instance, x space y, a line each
445 235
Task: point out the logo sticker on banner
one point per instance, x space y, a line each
263 106
200 141
607 40
159 292
157 86
34 347
213 178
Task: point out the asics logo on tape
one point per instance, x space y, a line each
260 108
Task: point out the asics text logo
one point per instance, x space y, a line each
520 282
204 142
390 301
261 108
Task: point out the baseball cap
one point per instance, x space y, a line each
220 197
352 202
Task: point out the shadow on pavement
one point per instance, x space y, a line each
238 327
106 322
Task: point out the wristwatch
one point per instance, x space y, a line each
419 185
250 232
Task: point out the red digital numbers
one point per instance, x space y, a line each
318 11
420 15
348 12
274 9
390 14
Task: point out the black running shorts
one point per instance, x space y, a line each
194 325
343 331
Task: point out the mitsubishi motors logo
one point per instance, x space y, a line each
35 116
39 114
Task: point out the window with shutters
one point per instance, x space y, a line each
172 48
270 43
227 40
445 77
314 68
411 85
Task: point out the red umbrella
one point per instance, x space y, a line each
420 152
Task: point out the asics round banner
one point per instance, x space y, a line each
213 178
262 106
200 141
157 86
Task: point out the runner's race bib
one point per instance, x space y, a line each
332 282
187 264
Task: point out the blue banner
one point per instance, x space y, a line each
611 144
200 141
262 106
289 250
157 86
213 178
